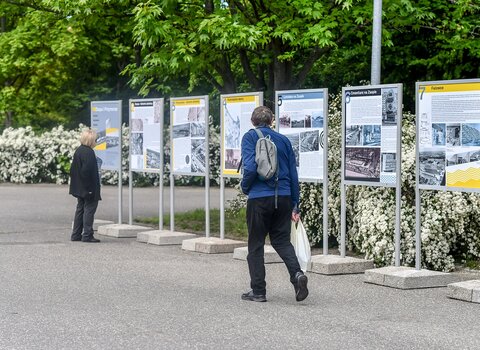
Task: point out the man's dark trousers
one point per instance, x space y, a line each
263 219
83 221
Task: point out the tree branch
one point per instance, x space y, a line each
252 79
33 6
211 79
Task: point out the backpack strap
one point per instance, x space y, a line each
260 135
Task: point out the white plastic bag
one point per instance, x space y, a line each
301 244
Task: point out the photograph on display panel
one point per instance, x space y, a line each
198 156
295 141
362 163
371 135
354 135
471 134
432 167
152 159
453 135
232 158
389 106
136 143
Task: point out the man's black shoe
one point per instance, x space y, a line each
253 297
90 240
300 285
76 239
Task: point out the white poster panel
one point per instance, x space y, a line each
300 117
189 128
448 121
371 144
106 120
146 117
236 113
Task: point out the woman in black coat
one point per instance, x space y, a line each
85 186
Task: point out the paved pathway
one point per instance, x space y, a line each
120 294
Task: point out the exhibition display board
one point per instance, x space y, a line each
235 120
371 145
448 129
300 116
106 120
189 147
146 121
371 129
447 141
188 131
146 145
235 112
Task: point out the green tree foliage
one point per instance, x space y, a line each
55 55
240 45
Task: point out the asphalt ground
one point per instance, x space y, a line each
120 294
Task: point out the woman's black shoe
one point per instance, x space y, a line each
91 240
253 297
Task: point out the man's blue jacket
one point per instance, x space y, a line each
287 170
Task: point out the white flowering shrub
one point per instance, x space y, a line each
29 157
26 157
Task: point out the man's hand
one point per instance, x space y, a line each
295 216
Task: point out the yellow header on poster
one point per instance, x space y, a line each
186 102
450 87
239 99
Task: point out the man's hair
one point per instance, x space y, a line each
262 116
88 138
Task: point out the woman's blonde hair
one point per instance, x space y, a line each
88 138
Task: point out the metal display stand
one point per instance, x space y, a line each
321 178
146 103
376 91
102 110
194 102
421 88
405 277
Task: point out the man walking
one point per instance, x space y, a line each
271 206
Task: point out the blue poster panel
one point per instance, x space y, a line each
106 120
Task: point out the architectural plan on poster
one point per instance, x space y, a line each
301 119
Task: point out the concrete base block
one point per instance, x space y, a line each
408 278
336 265
211 245
270 255
159 237
121 230
466 291
99 222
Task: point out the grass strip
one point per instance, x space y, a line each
194 222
